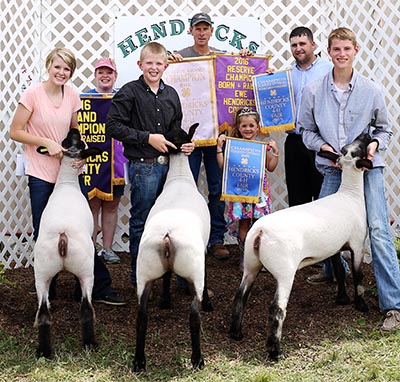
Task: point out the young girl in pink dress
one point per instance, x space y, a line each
246 125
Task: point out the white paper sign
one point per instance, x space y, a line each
133 32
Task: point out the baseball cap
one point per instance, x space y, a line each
107 62
200 18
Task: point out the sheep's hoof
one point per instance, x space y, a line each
92 346
236 335
198 364
275 355
206 306
361 305
46 353
343 300
139 366
165 304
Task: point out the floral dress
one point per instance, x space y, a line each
237 210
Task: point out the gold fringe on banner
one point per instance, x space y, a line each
206 142
100 194
118 181
269 129
240 198
225 127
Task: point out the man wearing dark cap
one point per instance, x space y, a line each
201 29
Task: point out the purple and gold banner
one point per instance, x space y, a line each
243 171
234 86
275 101
106 169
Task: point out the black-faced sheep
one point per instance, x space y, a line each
290 239
65 243
175 238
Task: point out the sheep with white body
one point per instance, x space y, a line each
65 243
174 239
290 239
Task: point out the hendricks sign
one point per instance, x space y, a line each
133 32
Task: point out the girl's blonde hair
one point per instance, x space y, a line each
65 54
246 111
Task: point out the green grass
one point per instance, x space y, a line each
353 357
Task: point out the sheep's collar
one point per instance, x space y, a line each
72 153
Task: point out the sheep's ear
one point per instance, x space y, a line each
329 155
91 151
364 163
192 130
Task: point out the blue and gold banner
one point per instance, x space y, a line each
243 171
275 101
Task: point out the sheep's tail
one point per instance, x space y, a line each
63 244
257 243
166 246
167 253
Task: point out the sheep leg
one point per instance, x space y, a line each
139 362
43 316
165 302
277 315
239 304
206 304
342 297
77 290
195 326
358 276
43 322
87 319
87 316
53 289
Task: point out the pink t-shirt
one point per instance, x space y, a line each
50 121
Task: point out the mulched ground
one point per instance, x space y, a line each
312 315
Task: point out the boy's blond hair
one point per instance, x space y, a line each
342 34
65 54
154 48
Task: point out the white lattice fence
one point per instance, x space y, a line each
31 28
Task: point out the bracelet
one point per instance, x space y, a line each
275 155
219 152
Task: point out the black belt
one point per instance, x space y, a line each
161 159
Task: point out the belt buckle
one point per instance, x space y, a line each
162 159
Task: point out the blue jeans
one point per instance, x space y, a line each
147 181
384 256
214 182
330 184
39 192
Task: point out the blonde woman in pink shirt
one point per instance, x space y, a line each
44 115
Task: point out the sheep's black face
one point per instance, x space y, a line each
73 143
179 136
358 149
